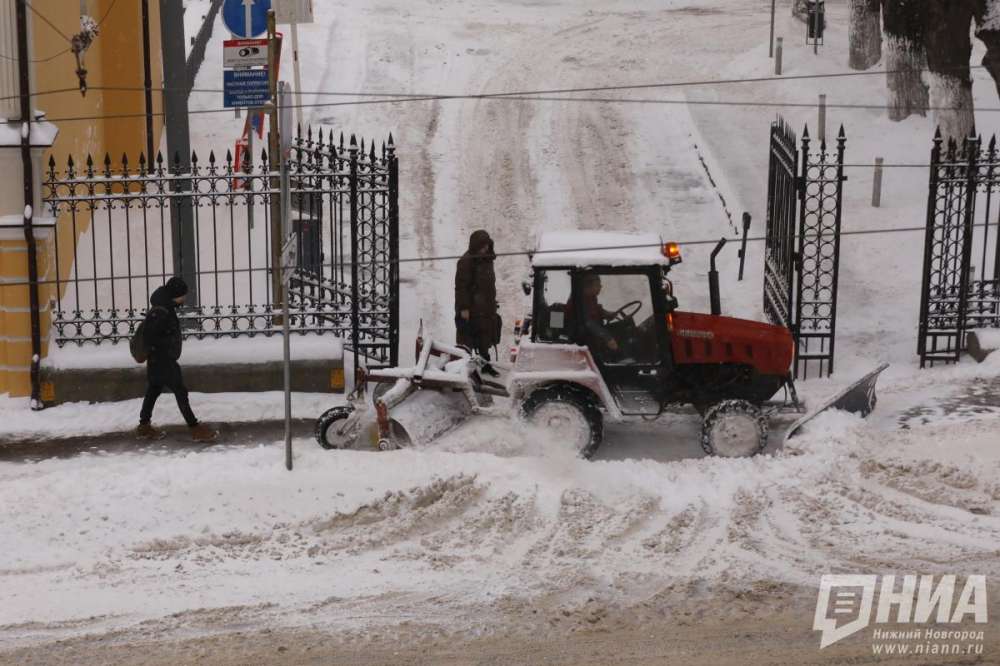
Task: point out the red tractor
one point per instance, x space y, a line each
605 340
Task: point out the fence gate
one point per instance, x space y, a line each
961 278
802 244
119 225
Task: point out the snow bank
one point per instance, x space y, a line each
513 517
258 349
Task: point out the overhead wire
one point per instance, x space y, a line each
510 253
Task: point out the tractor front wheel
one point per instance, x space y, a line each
734 429
329 426
568 415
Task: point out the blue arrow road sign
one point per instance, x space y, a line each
237 13
245 88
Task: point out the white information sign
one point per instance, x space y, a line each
293 11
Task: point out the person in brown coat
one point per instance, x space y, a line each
476 319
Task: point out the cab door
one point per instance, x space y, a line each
633 370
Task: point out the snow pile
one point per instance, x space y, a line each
142 537
258 349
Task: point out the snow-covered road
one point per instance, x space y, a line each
488 521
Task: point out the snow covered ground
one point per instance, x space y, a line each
355 540
493 524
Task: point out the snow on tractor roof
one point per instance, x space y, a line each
598 248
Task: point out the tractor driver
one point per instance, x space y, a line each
596 334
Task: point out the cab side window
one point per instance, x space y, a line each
551 323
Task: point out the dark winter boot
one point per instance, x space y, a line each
202 433
146 431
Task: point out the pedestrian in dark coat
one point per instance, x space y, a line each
476 318
162 336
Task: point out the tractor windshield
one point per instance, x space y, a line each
606 311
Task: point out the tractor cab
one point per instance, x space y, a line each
608 293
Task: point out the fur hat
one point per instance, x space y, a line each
176 287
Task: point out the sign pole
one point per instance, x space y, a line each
289 259
274 150
298 73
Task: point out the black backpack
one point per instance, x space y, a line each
137 345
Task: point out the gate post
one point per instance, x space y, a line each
971 145
925 290
353 151
393 255
841 146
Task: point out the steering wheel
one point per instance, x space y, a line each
623 313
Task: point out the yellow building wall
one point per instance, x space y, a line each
115 60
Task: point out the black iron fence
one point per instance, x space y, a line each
802 246
124 243
961 272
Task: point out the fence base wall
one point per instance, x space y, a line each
115 384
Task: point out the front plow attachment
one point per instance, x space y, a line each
858 398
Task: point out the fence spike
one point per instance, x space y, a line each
229 156
841 134
993 145
392 144
211 157
124 159
354 142
362 145
194 157
341 140
177 158
309 134
805 132
263 155
371 153
298 130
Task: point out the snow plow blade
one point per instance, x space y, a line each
858 398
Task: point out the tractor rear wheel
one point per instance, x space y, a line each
734 429
570 416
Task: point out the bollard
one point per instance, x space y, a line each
877 183
822 118
777 56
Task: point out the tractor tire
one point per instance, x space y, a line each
325 431
572 413
734 429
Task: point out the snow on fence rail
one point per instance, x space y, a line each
124 229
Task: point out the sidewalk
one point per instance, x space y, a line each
176 440
77 427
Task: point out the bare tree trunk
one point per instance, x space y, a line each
865 34
905 58
988 32
949 49
799 10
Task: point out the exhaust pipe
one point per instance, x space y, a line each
713 280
